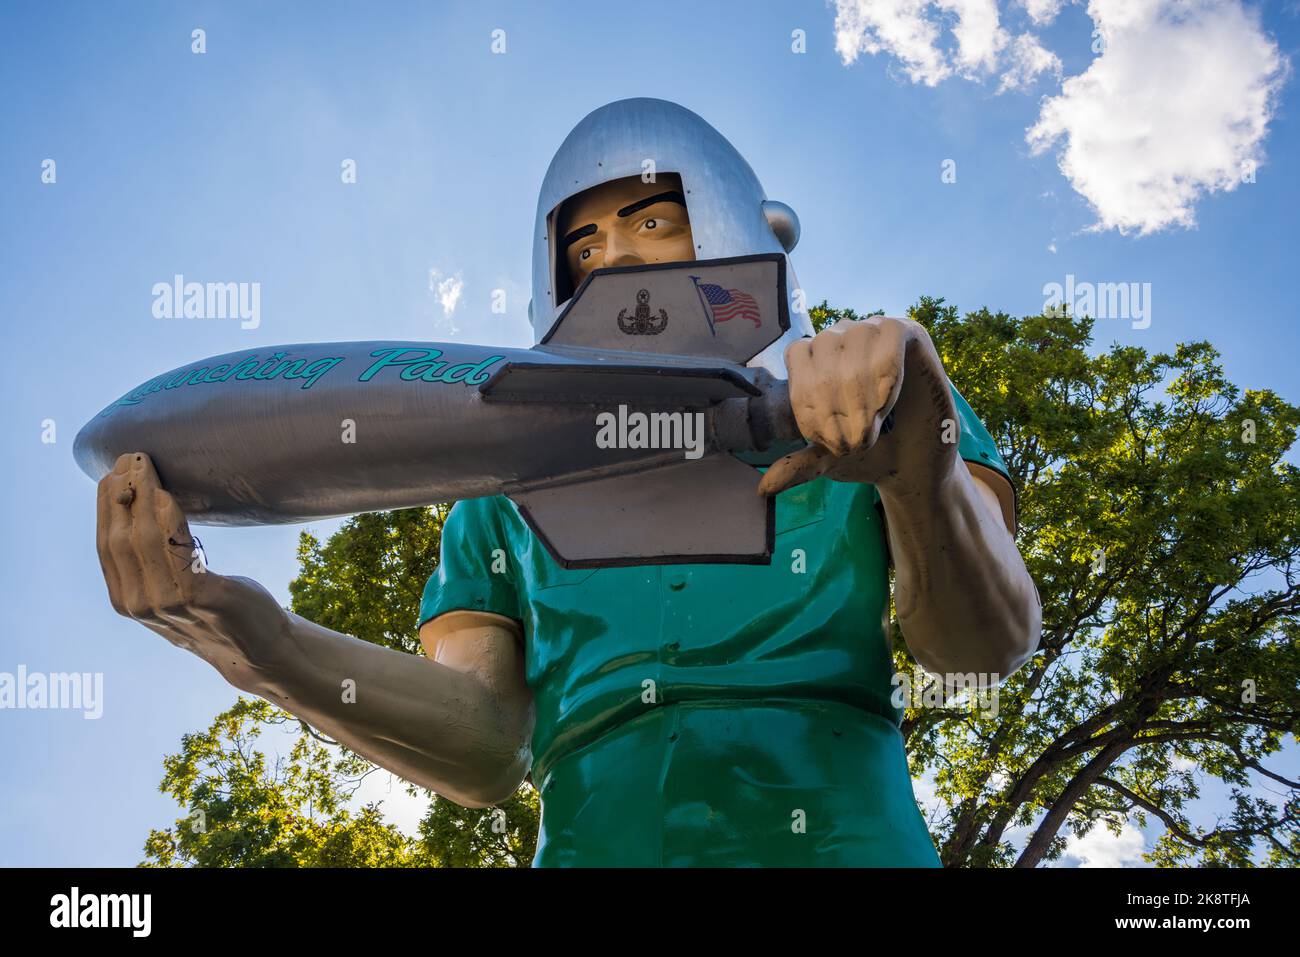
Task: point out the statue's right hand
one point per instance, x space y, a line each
154 575
149 558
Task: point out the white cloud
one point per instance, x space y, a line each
898 27
1171 110
980 37
1100 848
1042 12
913 32
1028 59
448 290
1176 106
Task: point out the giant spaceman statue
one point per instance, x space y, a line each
670 715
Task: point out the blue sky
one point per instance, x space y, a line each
225 166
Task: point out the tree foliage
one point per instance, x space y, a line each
246 811
1158 518
367 580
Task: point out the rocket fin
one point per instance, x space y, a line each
729 309
588 383
702 511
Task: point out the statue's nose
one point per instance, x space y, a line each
621 251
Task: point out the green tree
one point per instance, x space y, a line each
503 836
246 811
367 580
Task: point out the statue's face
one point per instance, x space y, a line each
625 222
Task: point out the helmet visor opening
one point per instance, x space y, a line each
621 222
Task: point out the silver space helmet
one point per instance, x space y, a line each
730 214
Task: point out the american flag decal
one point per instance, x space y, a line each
722 305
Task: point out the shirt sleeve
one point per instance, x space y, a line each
976 446
474 542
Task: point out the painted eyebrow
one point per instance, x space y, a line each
578 233
672 196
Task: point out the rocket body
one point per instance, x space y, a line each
617 446
307 431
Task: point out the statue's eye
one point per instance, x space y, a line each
650 224
585 254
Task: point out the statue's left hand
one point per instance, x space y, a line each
845 382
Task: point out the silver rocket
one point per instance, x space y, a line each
628 435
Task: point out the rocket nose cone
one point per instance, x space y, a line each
84 450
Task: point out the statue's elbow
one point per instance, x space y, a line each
992 649
1023 638
489 779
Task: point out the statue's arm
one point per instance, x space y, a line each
457 722
964 598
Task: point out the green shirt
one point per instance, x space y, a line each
709 714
